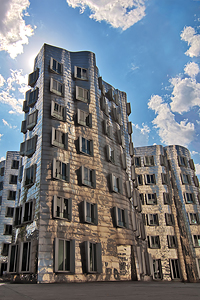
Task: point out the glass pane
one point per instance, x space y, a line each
60 255
67 255
24 256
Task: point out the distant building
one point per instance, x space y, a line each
75 219
169 192
8 190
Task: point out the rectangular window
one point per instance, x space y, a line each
185 178
112 95
108 129
139 179
111 154
120 137
141 198
20 173
13 258
150 179
152 219
196 181
13 179
189 198
90 213
116 184
175 269
9 212
191 164
61 170
32 97
121 217
28 147
25 255
27 212
11 195
80 73
198 266
31 120
182 161
151 199
62 208
1 185
7 229
193 218
93 257
148 161
128 108
17 219
163 160
169 218
56 87
196 239
157 269
64 255
84 118
22 150
104 105
55 66
172 241
59 138
137 161
33 77
25 105
164 178
0 200
15 164
166 198
57 111
5 248
88 177
153 241
85 146
30 174
82 94
2 171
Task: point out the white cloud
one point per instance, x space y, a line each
133 67
1 134
170 131
118 13
2 80
192 69
140 135
195 153
14 32
2 158
197 167
189 35
6 123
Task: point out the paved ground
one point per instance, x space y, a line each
101 290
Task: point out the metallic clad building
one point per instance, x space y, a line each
169 191
78 217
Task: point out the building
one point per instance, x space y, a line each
169 192
8 189
75 219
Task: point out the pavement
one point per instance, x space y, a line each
131 290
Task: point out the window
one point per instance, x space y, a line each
84 118
80 73
193 218
31 120
112 95
151 199
32 97
9 212
25 106
30 174
152 219
1 185
11 195
20 173
169 218
0 200
27 212
104 105
163 160
116 184
196 181
128 188
133 175
116 113
90 213
57 111
198 266
189 198
182 161
33 77
172 241
62 208
13 258
198 197
196 240
2 171
124 161
22 150
93 257
150 179
85 146
157 269
137 161
111 154
121 217
175 268
28 147
153 241
82 94
56 87
64 255
107 129
191 164
15 164
148 161
141 198
130 129
88 177
13 179
131 148
17 219
164 178
166 198
120 137
25 257
59 138
128 108
55 66
185 178
5 248
61 170
7 229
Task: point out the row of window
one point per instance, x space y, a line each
151 198
174 268
152 219
154 241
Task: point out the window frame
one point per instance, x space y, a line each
84 118
137 161
10 195
164 178
82 77
183 179
27 257
15 263
31 180
91 175
172 269
32 97
9 212
89 143
90 213
151 200
63 177
149 161
35 75
172 241
121 217
196 240
116 184
70 259
150 179
193 218
5 248
93 255
59 138
157 269
57 84
15 164
62 206
152 219
85 97
111 154
182 161
13 179
7 229
55 70
153 241
30 124
108 129
59 113
166 198
189 198
169 219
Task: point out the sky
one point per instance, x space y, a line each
148 48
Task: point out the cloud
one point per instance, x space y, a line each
194 153
192 69
189 35
197 167
133 67
140 135
119 13
2 80
1 134
14 33
170 131
6 123
2 158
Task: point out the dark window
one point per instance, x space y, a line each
148 161
31 120
150 179
5 249
175 268
88 177
152 219
64 255
151 199
17 220
80 73
164 178
137 161
169 218
30 175
85 146
11 195
166 198
193 218
185 178
182 161
7 229
59 139
189 198
13 179
32 97
56 66
15 164
25 256
33 77
1 185
2 171
27 211
90 213
62 208
13 258
9 212
196 240
157 269
172 241
57 111
121 217
154 241
139 179
61 170
93 257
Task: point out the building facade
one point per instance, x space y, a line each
169 192
8 191
75 219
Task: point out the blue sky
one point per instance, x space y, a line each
148 48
